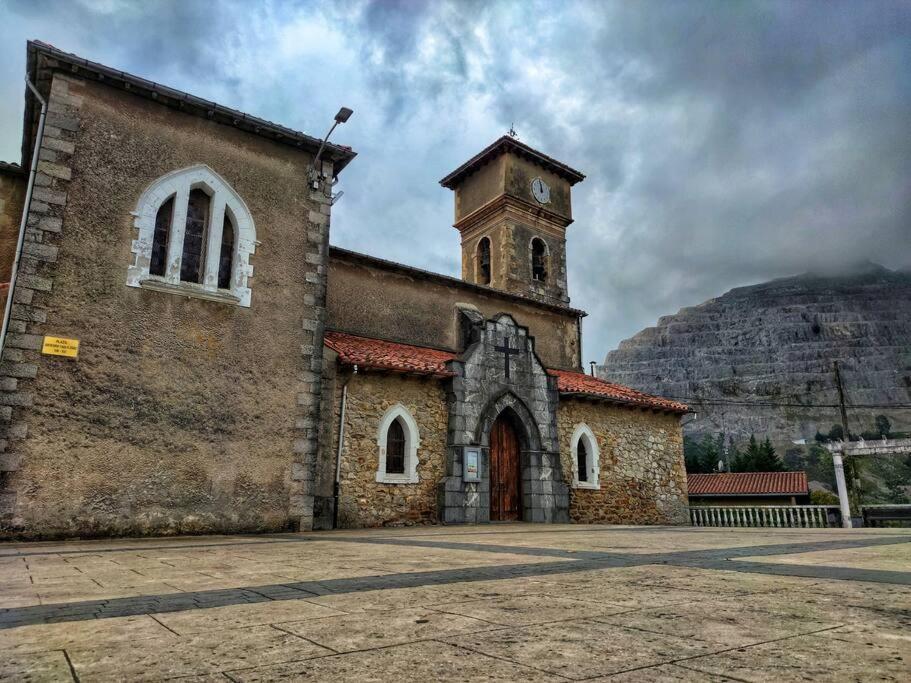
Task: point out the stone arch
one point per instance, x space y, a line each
508 401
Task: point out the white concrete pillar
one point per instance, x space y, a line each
842 490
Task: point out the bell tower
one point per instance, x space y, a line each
512 208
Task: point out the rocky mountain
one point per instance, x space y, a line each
773 344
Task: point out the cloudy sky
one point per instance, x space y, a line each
725 143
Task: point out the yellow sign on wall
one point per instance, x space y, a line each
60 346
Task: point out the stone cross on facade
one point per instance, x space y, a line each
507 352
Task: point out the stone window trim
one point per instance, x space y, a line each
412 443
224 201
582 432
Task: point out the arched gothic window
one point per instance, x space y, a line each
195 238
538 260
585 453
581 462
484 261
398 440
395 448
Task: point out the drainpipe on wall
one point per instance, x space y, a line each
338 453
33 170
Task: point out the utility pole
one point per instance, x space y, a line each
844 498
841 400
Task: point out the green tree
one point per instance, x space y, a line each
769 461
758 457
883 425
823 497
836 433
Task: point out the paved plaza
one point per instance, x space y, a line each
499 602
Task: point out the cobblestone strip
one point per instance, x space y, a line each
178 602
37 268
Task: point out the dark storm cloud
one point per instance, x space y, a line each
724 142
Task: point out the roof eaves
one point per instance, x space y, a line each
631 403
339 154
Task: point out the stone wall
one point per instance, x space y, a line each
12 195
364 502
642 476
180 415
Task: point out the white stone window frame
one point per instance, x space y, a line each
412 444
593 456
224 200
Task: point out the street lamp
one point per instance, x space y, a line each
341 117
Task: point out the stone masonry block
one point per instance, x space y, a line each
9 462
25 341
43 252
7 502
42 284
17 430
62 121
59 145
15 369
15 399
21 312
55 170
49 196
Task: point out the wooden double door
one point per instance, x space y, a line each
505 472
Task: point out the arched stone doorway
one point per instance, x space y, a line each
505 469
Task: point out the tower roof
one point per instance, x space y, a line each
510 144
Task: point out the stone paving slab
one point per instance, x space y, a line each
431 661
496 602
820 657
582 649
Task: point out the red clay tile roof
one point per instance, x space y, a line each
385 355
586 385
747 483
405 358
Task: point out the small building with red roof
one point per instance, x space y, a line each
749 488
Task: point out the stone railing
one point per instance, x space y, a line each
781 516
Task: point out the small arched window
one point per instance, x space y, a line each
395 448
484 261
398 440
195 238
538 260
585 453
581 462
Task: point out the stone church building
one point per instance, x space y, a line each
183 351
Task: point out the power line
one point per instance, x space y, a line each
781 404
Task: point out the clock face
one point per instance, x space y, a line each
540 191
